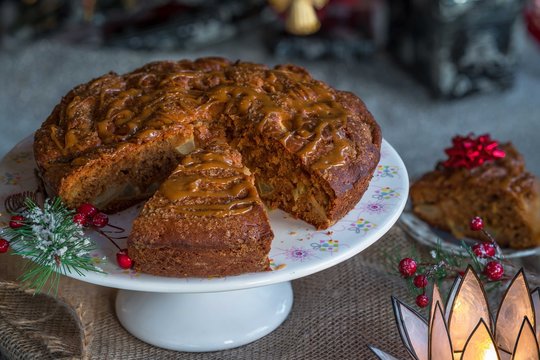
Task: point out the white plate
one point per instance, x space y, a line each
297 250
430 236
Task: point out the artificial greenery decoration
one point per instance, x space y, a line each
52 240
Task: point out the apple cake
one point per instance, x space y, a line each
114 141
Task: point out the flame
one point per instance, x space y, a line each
466 331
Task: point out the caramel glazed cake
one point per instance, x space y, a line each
197 136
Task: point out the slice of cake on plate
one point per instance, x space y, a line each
205 220
481 178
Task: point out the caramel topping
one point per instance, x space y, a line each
147 135
316 138
208 161
122 117
103 132
227 195
70 139
233 208
336 156
78 161
54 136
193 185
326 113
241 96
284 104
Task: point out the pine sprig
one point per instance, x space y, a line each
53 241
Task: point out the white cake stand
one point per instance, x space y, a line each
208 314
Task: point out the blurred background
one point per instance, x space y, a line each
427 69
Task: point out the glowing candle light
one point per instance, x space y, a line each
480 345
469 307
464 331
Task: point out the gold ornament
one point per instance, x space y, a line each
319 4
301 18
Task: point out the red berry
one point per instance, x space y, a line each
407 267
484 250
87 210
4 246
494 270
477 223
420 281
100 220
16 221
123 260
80 219
422 300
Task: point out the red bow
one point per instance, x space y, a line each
469 152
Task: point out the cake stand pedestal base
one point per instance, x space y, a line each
199 322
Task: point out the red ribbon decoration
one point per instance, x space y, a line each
532 17
469 152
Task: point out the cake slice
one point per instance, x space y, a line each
500 191
205 220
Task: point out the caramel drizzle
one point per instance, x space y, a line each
328 114
311 118
233 208
70 139
230 188
337 156
190 186
208 161
54 137
241 96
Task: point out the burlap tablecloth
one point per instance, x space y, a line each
336 313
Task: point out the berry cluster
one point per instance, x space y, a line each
488 250
407 268
89 216
15 222
486 255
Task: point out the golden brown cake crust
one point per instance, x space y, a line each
329 133
502 192
116 139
